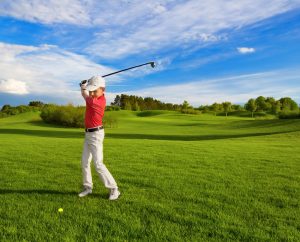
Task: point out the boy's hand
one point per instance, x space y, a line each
83 84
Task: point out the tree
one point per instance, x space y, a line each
36 104
236 107
176 107
276 107
5 108
127 105
123 100
251 106
288 104
185 106
139 103
226 107
117 101
136 107
270 100
261 103
216 107
204 108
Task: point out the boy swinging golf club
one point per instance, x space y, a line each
92 91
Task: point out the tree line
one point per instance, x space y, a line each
136 103
284 107
8 110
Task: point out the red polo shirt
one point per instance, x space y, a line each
94 111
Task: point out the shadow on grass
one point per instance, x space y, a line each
48 192
41 123
188 137
37 191
77 134
45 133
272 123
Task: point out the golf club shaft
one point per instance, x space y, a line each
152 63
148 63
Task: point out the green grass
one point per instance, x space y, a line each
182 178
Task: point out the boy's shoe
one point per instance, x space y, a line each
114 194
85 192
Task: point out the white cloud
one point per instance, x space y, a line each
45 70
182 24
159 9
123 28
236 89
160 65
49 71
245 50
13 86
47 11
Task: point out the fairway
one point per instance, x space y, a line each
182 178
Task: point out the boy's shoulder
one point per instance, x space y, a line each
99 100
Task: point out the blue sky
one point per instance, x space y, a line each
206 51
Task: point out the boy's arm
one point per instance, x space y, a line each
84 92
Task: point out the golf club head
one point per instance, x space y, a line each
152 64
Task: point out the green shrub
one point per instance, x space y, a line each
110 120
5 108
36 104
289 114
8 110
23 108
3 115
13 111
149 113
190 111
112 108
238 113
68 116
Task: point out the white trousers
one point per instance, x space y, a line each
93 149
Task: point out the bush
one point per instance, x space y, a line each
8 110
149 113
68 116
3 115
36 104
13 111
240 113
260 114
289 114
110 121
190 111
267 117
112 108
23 108
5 108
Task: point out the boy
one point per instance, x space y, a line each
93 93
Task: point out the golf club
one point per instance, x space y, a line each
152 63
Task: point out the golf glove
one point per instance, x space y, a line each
83 84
